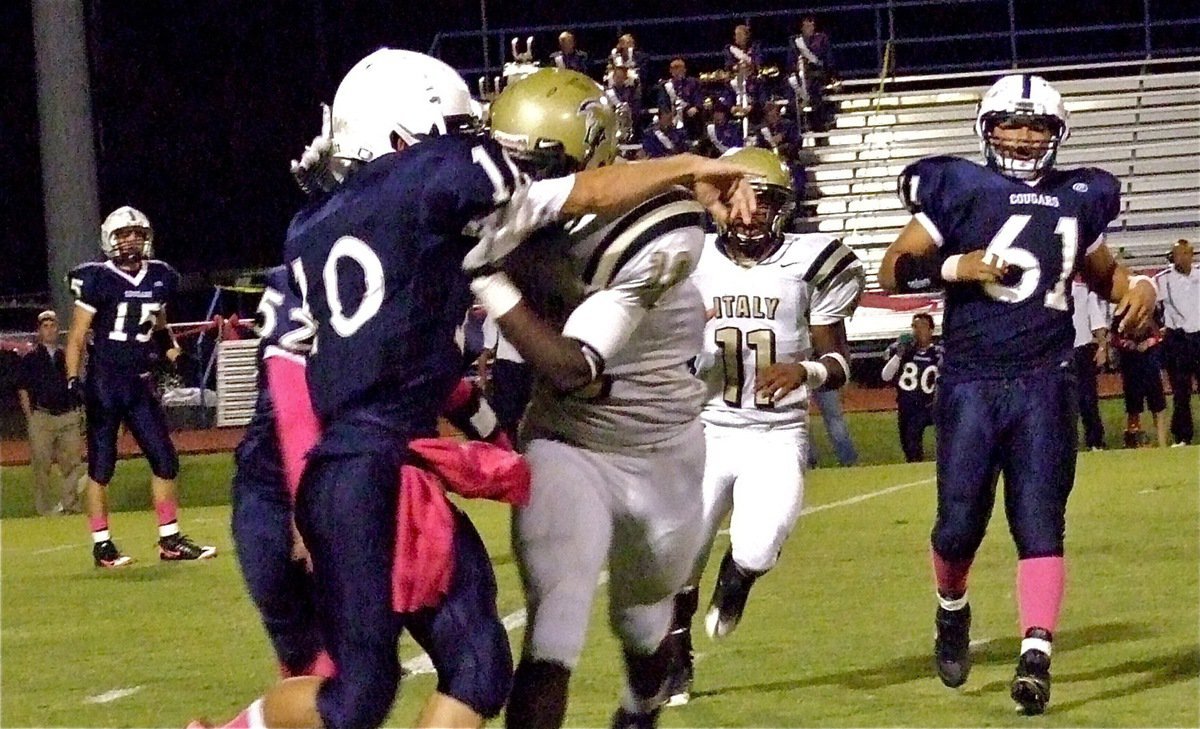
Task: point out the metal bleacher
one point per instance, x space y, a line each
1143 126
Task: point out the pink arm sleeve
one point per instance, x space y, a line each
295 422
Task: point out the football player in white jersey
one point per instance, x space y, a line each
612 432
777 304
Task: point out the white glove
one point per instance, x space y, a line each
502 231
311 171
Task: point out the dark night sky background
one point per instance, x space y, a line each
199 105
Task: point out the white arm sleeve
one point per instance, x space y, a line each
890 369
531 206
1095 313
606 319
837 299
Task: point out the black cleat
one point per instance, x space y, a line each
178 547
952 645
1031 685
106 555
623 719
729 598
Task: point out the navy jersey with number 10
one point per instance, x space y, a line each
1044 229
379 265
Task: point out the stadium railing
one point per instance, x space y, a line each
862 33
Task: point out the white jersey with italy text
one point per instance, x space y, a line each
761 315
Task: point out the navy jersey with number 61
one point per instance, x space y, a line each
378 262
1043 229
124 309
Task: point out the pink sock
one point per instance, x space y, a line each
951 575
98 523
167 510
1040 592
323 666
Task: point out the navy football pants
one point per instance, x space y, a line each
282 590
913 419
111 400
1021 427
346 512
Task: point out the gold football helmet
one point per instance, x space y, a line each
554 122
747 245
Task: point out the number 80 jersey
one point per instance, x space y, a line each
761 315
1044 229
124 308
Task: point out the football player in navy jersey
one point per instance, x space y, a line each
123 302
915 359
383 262
1006 239
269 461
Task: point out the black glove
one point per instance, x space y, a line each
75 390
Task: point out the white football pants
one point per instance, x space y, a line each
637 514
759 475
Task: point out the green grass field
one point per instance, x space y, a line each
838 635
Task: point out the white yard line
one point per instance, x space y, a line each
59 548
109 696
422 665
857 499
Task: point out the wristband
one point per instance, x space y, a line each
496 293
950 267
815 374
837 357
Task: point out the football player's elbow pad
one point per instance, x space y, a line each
917 273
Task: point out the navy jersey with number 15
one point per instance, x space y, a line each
124 309
1044 229
378 262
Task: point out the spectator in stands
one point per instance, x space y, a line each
664 138
722 133
1179 296
1091 353
1141 379
567 55
829 402
53 419
781 135
743 62
810 65
916 359
627 56
508 381
680 93
777 133
626 98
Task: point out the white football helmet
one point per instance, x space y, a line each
120 219
398 92
1023 99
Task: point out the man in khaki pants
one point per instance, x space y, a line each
53 419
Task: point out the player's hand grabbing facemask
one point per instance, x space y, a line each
311 171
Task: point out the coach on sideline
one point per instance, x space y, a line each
1179 296
53 421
